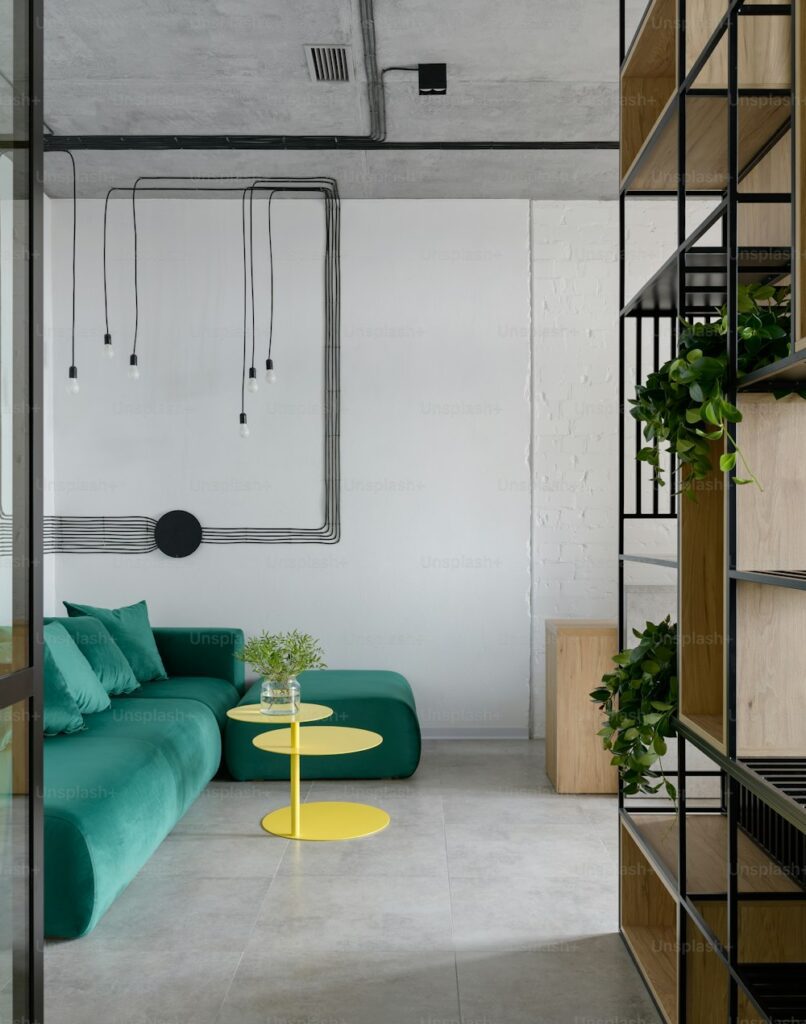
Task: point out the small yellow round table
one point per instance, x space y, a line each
252 713
321 821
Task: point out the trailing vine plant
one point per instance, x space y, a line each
639 698
683 403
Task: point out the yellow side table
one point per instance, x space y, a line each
307 713
321 821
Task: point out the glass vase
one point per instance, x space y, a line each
279 696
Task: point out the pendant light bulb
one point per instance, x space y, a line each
72 381
134 370
109 351
271 376
252 382
244 425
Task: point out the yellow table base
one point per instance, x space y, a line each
324 822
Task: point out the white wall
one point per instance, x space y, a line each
432 574
477 337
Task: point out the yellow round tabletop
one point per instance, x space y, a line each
251 713
324 739
326 822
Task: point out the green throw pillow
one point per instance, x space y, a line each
131 631
61 710
83 683
95 642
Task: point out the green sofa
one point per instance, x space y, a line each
377 700
116 789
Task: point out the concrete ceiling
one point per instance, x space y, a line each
517 70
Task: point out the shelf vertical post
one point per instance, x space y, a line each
731 226
681 312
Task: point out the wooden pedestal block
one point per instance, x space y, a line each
578 653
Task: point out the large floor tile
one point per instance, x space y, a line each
167 912
588 980
529 806
343 988
353 913
506 911
235 808
86 983
535 851
406 805
218 856
401 850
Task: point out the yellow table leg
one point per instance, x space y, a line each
294 780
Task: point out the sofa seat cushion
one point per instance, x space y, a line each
216 694
377 700
112 794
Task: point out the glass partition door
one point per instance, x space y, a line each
20 512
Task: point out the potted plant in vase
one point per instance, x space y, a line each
279 658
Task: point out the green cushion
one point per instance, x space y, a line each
112 794
131 631
216 694
61 710
96 644
377 700
82 682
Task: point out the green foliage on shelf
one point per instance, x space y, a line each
278 656
639 698
683 403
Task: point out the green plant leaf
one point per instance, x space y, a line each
727 461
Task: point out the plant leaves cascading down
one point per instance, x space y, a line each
639 698
683 403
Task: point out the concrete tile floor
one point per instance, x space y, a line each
488 900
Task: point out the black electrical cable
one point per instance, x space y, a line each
243 365
98 534
136 297
252 270
330 531
73 372
271 285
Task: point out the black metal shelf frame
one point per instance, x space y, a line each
764 797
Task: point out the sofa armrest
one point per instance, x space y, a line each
201 651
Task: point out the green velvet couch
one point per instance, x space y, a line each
377 700
116 789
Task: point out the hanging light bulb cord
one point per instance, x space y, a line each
243 365
269 185
75 219
136 296
271 282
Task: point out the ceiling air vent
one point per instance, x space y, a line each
328 63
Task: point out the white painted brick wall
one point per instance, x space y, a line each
575 415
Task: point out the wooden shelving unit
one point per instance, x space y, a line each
713 898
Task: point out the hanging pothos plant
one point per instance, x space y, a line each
639 698
683 403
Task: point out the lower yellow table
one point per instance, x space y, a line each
320 821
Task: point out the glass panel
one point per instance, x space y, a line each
15 464
14 863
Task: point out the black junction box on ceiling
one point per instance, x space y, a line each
433 79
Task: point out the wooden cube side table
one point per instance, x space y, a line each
578 653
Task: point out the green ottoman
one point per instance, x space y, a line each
380 701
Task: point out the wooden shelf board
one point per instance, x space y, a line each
654 949
791 370
706 278
710 727
707 850
792 579
655 165
653 46
668 561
